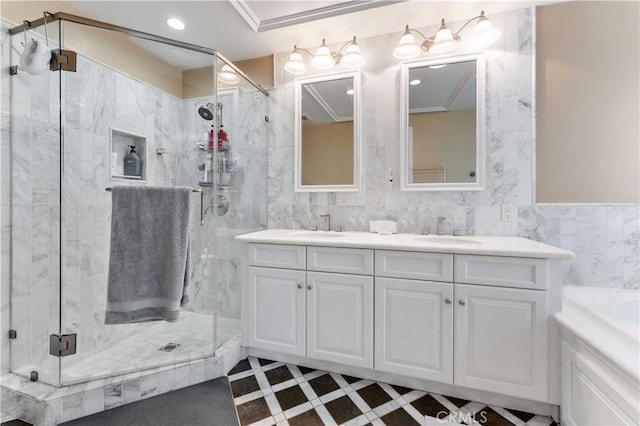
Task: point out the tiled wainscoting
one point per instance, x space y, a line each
41 404
267 392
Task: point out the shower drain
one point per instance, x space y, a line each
169 347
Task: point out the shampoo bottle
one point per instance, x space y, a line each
132 166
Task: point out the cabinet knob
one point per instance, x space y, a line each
461 302
309 287
447 301
300 285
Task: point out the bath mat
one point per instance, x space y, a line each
206 404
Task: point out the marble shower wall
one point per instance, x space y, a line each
95 98
243 112
509 137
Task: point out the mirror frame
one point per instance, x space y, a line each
357 132
405 168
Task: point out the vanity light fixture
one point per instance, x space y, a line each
176 24
228 76
444 40
324 58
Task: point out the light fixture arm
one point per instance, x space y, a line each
337 54
479 17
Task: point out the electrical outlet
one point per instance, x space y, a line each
508 213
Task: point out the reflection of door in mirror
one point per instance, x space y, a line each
442 123
328 132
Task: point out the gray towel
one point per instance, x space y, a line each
149 259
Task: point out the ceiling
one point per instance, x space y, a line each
449 88
248 29
327 101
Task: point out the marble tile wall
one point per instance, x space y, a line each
510 166
605 239
509 136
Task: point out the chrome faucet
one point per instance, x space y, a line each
441 220
326 222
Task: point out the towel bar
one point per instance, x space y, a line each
108 189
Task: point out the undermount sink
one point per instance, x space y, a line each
445 239
318 234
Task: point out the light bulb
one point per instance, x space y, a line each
227 75
352 57
407 48
295 65
484 34
323 59
444 40
175 23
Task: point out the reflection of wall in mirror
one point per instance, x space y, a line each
327 154
443 141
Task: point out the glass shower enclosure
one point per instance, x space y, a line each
70 131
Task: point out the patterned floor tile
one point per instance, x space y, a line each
253 411
323 384
374 395
278 375
291 397
266 392
342 409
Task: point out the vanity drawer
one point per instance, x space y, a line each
345 260
501 271
414 265
277 256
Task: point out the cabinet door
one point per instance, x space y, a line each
340 318
277 310
501 340
414 328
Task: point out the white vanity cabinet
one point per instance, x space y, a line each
414 328
500 334
501 340
277 309
379 307
321 315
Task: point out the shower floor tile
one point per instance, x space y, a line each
323 398
193 333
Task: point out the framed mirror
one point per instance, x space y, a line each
442 124
328 132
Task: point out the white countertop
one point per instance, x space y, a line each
472 244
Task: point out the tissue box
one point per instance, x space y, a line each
384 227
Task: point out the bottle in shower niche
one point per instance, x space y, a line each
132 165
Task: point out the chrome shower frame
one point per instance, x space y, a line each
63 16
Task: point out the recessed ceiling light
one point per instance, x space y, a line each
175 23
415 82
349 92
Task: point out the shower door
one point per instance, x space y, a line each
109 104
35 212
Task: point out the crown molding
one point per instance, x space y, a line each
342 8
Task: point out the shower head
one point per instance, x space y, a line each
206 111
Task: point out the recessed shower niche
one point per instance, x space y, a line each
124 143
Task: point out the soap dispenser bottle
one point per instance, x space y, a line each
132 166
